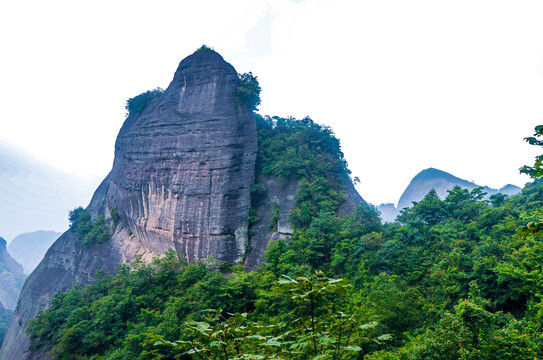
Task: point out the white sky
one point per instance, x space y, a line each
406 85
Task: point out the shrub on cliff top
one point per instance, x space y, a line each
204 47
137 104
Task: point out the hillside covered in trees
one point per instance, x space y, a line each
452 279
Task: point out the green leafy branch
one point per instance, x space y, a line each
534 221
248 90
316 329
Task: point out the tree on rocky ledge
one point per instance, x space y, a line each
248 91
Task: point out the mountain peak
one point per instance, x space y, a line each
433 173
184 165
439 180
182 179
431 178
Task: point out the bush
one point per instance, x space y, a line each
248 91
137 104
90 231
204 47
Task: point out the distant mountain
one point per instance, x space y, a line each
36 196
29 248
442 182
509 190
11 278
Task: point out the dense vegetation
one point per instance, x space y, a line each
91 231
248 90
449 280
308 152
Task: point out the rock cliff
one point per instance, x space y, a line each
181 180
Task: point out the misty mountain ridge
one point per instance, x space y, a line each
441 182
35 195
28 249
11 278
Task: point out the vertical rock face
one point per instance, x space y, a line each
183 168
180 180
282 194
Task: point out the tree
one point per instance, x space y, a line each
535 171
137 104
316 328
248 90
90 231
430 210
534 220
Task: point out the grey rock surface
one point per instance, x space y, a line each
184 167
180 180
275 193
352 199
66 262
281 195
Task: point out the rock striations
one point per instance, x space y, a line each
180 180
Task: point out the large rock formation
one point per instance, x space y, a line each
181 180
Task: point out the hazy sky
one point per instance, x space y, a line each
406 85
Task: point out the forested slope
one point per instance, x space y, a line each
451 280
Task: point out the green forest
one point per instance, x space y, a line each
453 278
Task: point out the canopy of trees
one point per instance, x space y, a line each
451 279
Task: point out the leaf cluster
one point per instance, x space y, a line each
313 330
90 231
137 104
122 316
248 90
